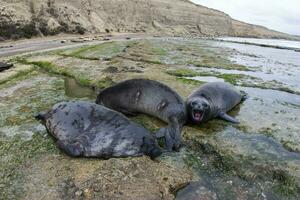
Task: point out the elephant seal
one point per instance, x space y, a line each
91 130
213 100
152 98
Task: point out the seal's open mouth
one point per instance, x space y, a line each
197 115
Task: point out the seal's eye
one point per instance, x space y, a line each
193 103
205 105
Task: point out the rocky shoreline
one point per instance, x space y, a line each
256 159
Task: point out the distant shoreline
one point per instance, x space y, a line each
21 46
261 45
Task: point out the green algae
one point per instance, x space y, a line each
18 74
228 164
230 78
20 105
22 138
144 51
159 51
148 122
81 78
183 73
291 146
138 58
96 52
286 184
210 161
217 64
187 52
76 90
235 79
104 83
189 81
20 77
15 153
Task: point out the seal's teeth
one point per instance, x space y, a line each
197 116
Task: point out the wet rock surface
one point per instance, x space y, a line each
257 159
133 178
31 164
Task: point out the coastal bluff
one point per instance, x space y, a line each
27 18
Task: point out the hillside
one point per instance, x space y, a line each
26 18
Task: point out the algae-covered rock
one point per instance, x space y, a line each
257 159
32 167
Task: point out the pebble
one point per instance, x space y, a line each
78 193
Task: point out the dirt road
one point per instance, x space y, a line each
51 43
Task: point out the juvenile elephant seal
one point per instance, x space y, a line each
91 130
152 98
213 100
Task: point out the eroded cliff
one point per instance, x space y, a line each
25 18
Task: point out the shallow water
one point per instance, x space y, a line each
74 90
268 134
271 42
206 78
269 63
259 158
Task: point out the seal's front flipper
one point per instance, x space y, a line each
226 117
168 141
160 133
72 149
41 116
172 140
150 147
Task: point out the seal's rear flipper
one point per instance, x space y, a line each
72 149
40 116
226 117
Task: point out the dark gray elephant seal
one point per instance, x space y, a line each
152 98
91 130
213 100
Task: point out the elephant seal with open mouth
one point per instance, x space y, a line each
213 100
152 98
91 130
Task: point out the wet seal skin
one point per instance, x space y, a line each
152 98
213 100
85 129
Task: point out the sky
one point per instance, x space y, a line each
280 15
